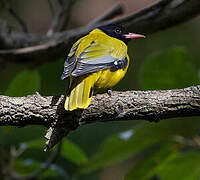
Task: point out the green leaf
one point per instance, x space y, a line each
73 153
168 69
37 144
128 144
25 83
69 150
51 177
15 136
52 83
167 163
55 171
121 146
26 166
184 166
148 167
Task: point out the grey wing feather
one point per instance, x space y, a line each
106 59
88 63
94 65
68 66
84 66
70 62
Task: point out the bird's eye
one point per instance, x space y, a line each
118 31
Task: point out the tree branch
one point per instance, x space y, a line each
51 8
61 18
15 15
67 16
159 16
56 20
18 19
130 105
113 12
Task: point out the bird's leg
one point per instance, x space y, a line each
109 91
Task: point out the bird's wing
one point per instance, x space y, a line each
70 61
97 57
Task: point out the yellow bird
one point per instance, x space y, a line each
97 60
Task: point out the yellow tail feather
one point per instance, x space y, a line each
81 92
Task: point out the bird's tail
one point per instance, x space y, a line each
81 92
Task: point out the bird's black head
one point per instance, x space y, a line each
115 30
119 32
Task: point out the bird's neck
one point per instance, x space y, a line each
97 31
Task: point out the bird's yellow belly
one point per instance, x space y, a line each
109 79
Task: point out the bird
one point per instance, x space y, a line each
99 60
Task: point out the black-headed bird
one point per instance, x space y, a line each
96 61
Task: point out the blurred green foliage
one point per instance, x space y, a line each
24 83
150 165
173 65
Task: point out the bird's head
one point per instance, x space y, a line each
119 32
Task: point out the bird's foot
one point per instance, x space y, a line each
109 91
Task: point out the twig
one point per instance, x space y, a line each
55 21
61 2
13 13
19 19
51 8
14 154
53 157
194 142
111 13
159 16
63 12
67 16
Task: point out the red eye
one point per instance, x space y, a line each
118 31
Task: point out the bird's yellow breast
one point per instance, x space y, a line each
109 79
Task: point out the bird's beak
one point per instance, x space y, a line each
133 36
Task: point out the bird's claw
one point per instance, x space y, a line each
109 92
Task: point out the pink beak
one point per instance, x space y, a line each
134 36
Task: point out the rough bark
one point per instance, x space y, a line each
129 105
